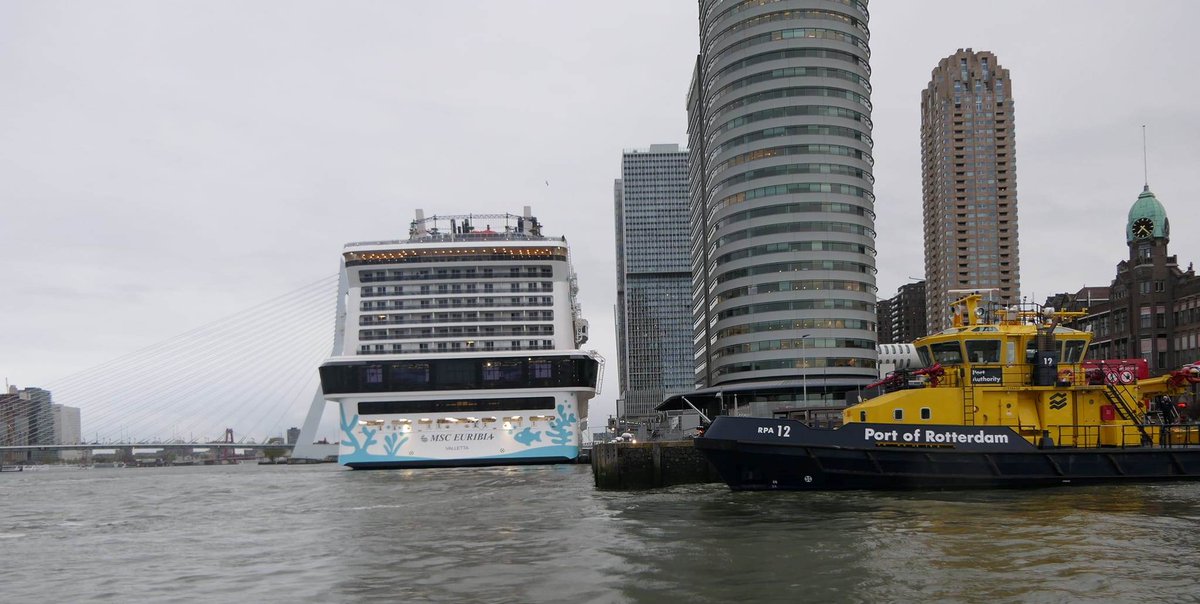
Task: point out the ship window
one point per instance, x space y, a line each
983 351
411 374
504 372
947 353
862 416
926 413
1073 350
898 414
926 360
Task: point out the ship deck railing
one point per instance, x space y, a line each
1069 375
538 289
1131 436
456 305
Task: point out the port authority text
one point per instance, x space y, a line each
926 435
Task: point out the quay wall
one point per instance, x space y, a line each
621 466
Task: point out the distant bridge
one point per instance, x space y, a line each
255 370
146 446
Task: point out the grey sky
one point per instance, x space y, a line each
166 164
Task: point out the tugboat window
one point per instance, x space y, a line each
947 353
898 414
983 351
1073 351
926 359
926 413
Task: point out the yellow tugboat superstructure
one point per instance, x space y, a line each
1006 398
1024 370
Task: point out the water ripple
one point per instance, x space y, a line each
543 534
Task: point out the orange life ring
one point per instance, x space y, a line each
1066 375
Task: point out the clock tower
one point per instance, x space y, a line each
1147 220
1151 309
1144 287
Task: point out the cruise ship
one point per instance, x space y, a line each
460 347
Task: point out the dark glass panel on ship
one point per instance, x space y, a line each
459 374
983 351
1073 351
416 374
479 405
947 353
926 358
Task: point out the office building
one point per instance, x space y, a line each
782 217
67 430
26 418
902 317
654 354
969 174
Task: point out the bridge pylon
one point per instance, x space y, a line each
306 445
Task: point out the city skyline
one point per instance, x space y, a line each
155 180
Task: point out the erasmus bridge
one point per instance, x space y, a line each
235 383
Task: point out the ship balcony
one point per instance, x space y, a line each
456 303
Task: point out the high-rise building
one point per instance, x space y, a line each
26 419
902 317
654 354
782 210
969 173
67 430
883 330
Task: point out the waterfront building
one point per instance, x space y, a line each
1151 309
969 183
654 354
782 218
902 317
883 330
67 430
293 435
26 418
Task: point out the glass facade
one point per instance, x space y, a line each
653 279
781 196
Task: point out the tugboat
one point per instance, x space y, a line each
1006 398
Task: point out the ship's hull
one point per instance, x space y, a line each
518 437
764 454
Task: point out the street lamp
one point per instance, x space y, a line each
804 374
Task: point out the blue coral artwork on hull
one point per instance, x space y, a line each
360 442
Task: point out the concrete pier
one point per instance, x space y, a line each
649 465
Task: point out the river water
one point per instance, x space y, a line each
543 534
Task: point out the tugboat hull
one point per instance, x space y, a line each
764 454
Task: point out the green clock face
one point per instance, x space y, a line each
1143 228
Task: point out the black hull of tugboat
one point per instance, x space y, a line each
754 454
